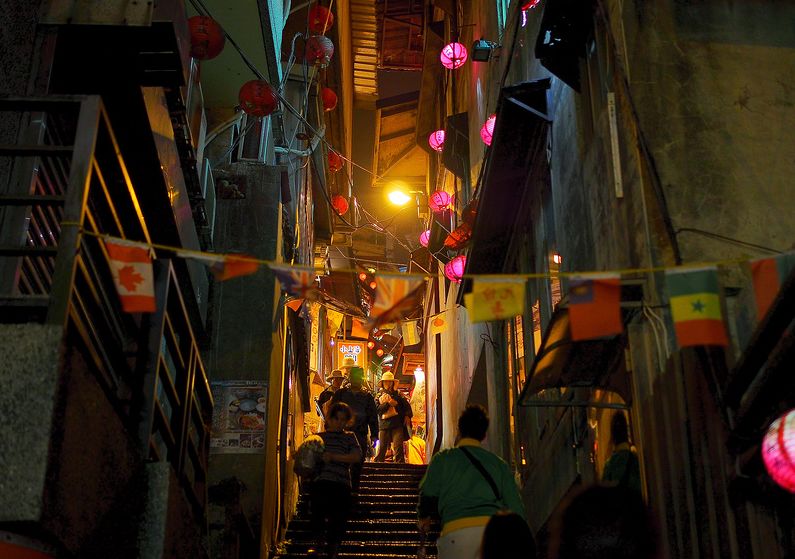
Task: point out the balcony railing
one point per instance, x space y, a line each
68 186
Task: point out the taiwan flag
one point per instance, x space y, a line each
131 266
595 306
769 275
694 297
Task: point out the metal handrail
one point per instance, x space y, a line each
55 269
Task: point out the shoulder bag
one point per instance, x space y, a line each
486 475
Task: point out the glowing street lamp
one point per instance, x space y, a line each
399 198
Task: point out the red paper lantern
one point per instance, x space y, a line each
454 270
778 451
319 50
436 140
362 276
207 39
439 201
329 99
379 352
340 204
257 98
487 131
530 5
320 19
373 285
335 161
453 56
425 237
370 344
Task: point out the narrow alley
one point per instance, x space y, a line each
352 279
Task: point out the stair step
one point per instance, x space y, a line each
306 535
358 555
364 549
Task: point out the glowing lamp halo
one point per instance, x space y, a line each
487 130
399 198
436 140
440 201
454 270
778 451
425 237
453 56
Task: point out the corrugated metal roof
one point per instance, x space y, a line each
364 36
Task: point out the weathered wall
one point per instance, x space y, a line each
713 87
242 313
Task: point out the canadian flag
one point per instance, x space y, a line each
131 266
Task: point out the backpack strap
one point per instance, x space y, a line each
483 472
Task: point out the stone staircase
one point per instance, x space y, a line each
383 522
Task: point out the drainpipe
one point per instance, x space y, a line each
438 339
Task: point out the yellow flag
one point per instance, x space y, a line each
409 331
438 323
334 320
495 299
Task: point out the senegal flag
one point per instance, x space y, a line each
695 307
769 275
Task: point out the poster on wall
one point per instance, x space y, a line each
239 417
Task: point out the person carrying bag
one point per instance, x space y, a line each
466 486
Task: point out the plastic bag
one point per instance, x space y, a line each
309 457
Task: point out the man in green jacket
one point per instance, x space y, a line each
466 485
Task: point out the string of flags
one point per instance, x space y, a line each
594 298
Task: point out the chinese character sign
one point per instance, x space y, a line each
495 299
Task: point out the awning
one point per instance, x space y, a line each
760 387
518 144
564 363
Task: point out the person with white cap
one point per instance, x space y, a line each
394 412
335 383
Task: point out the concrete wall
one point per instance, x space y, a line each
242 319
717 103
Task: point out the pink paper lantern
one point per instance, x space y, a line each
454 270
453 56
425 237
439 201
778 451
436 140
487 131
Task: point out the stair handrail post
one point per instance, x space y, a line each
74 209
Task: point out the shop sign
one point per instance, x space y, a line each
354 350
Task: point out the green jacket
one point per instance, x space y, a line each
454 488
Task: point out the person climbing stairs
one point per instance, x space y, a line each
383 520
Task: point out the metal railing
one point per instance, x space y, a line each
68 185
